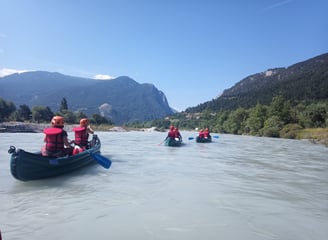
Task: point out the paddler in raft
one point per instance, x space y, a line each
201 134
177 135
171 133
56 140
207 133
82 136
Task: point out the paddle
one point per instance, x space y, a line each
161 143
101 160
216 136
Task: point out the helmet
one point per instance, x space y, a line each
84 122
57 121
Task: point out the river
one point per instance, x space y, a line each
237 187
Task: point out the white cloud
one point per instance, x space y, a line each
278 4
103 77
8 71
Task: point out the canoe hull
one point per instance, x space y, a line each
203 140
26 166
171 142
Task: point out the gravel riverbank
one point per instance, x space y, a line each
14 127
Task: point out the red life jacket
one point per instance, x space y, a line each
201 134
81 136
171 134
206 134
54 139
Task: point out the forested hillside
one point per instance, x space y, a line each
302 82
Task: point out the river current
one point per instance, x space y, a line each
237 187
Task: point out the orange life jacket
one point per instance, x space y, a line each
54 139
81 136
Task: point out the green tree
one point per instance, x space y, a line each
24 112
256 119
98 119
6 109
272 127
205 118
159 123
221 117
69 117
301 117
41 114
79 115
63 105
280 108
315 115
236 121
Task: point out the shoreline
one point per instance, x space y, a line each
19 127
23 127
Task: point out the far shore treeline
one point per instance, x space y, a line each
43 114
281 118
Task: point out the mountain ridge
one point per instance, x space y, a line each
303 81
121 99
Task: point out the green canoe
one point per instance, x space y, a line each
173 142
27 166
204 140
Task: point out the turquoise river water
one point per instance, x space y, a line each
236 187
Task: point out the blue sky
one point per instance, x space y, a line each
191 50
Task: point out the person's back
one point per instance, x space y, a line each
54 142
177 134
82 133
81 136
171 133
201 134
207 133
56 139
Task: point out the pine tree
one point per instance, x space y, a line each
63 106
